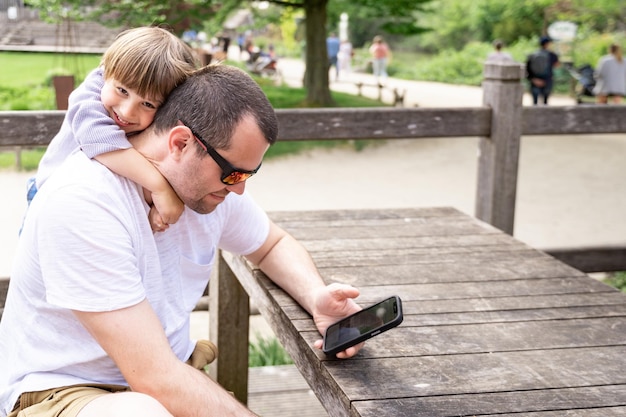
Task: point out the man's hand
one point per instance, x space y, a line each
332 303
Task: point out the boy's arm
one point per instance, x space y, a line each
99 138
131 164
92 128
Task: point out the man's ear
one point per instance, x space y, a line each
179 139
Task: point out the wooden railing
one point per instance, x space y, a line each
500 123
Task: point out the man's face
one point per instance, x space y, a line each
129 111
197 181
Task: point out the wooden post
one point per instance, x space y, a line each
229 322
499 153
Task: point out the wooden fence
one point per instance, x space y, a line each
500 123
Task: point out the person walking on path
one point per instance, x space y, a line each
611 77
498 55
539 70
344 58
332 49
380 58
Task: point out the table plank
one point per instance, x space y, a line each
609 303
478 295
414 341
423 376
600 401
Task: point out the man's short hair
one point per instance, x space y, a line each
213 100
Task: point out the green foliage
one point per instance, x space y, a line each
617 280
267 352
449 66
177 14
394 19
455 23
29 159
27 98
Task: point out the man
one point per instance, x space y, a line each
97 316
539 70
332 49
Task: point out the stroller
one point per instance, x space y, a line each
262 64
585 81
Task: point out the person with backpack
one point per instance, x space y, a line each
539 70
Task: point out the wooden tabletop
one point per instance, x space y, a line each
491 326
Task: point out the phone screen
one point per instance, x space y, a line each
361 326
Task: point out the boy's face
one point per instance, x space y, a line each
130 111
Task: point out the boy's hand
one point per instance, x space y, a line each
156 222
168 205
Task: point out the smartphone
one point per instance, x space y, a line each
363 325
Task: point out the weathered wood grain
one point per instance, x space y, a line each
425 376
482 321
381 123
498 155
601 401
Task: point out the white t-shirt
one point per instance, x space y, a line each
87 245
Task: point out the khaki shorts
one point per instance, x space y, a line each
68 401
61 402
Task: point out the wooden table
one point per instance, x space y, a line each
491 325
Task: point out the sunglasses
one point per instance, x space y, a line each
230 174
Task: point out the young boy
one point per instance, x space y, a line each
118 99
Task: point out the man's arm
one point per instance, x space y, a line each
133 337
290 266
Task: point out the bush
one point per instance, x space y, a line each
267 352
27 98
617 280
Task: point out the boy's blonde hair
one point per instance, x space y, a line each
150 60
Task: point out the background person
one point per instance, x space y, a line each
498 55
344 58
380 53
540 71
332 49
610 77
96 321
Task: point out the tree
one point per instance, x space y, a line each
395 16
398 16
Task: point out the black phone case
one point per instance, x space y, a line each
368 335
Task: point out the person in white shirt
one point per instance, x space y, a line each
344 57
611 77
96 321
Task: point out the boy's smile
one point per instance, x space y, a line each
130 111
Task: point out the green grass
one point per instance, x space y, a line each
617 280
267 352
21 69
